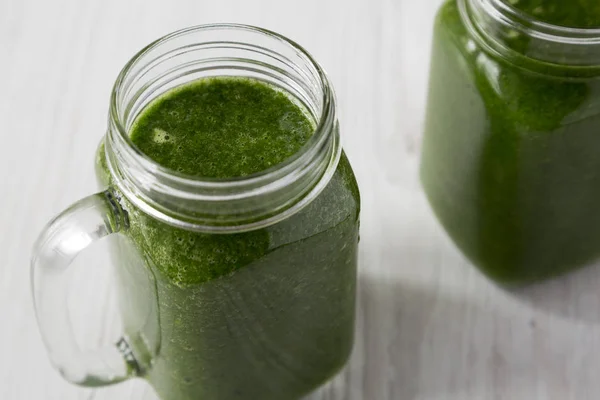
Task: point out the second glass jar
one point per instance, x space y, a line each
510 154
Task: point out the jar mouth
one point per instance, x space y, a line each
535 27
499 25
215 204
323 121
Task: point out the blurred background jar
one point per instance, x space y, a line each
511 162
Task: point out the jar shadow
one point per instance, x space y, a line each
396 353
575 296
418 343
390 323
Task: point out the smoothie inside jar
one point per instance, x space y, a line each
219 127
263 314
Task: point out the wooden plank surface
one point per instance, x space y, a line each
430 327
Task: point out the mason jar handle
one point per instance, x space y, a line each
68 234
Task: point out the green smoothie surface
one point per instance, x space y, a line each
222 127
566 13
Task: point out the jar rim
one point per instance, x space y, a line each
223 204
554 44
525 21
320 129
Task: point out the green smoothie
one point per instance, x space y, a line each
266 314
222 128
510 153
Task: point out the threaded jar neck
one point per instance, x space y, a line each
507 29
222 205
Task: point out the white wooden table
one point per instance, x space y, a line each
429 328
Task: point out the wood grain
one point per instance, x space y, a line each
430 327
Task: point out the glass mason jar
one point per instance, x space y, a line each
510 155
229 289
